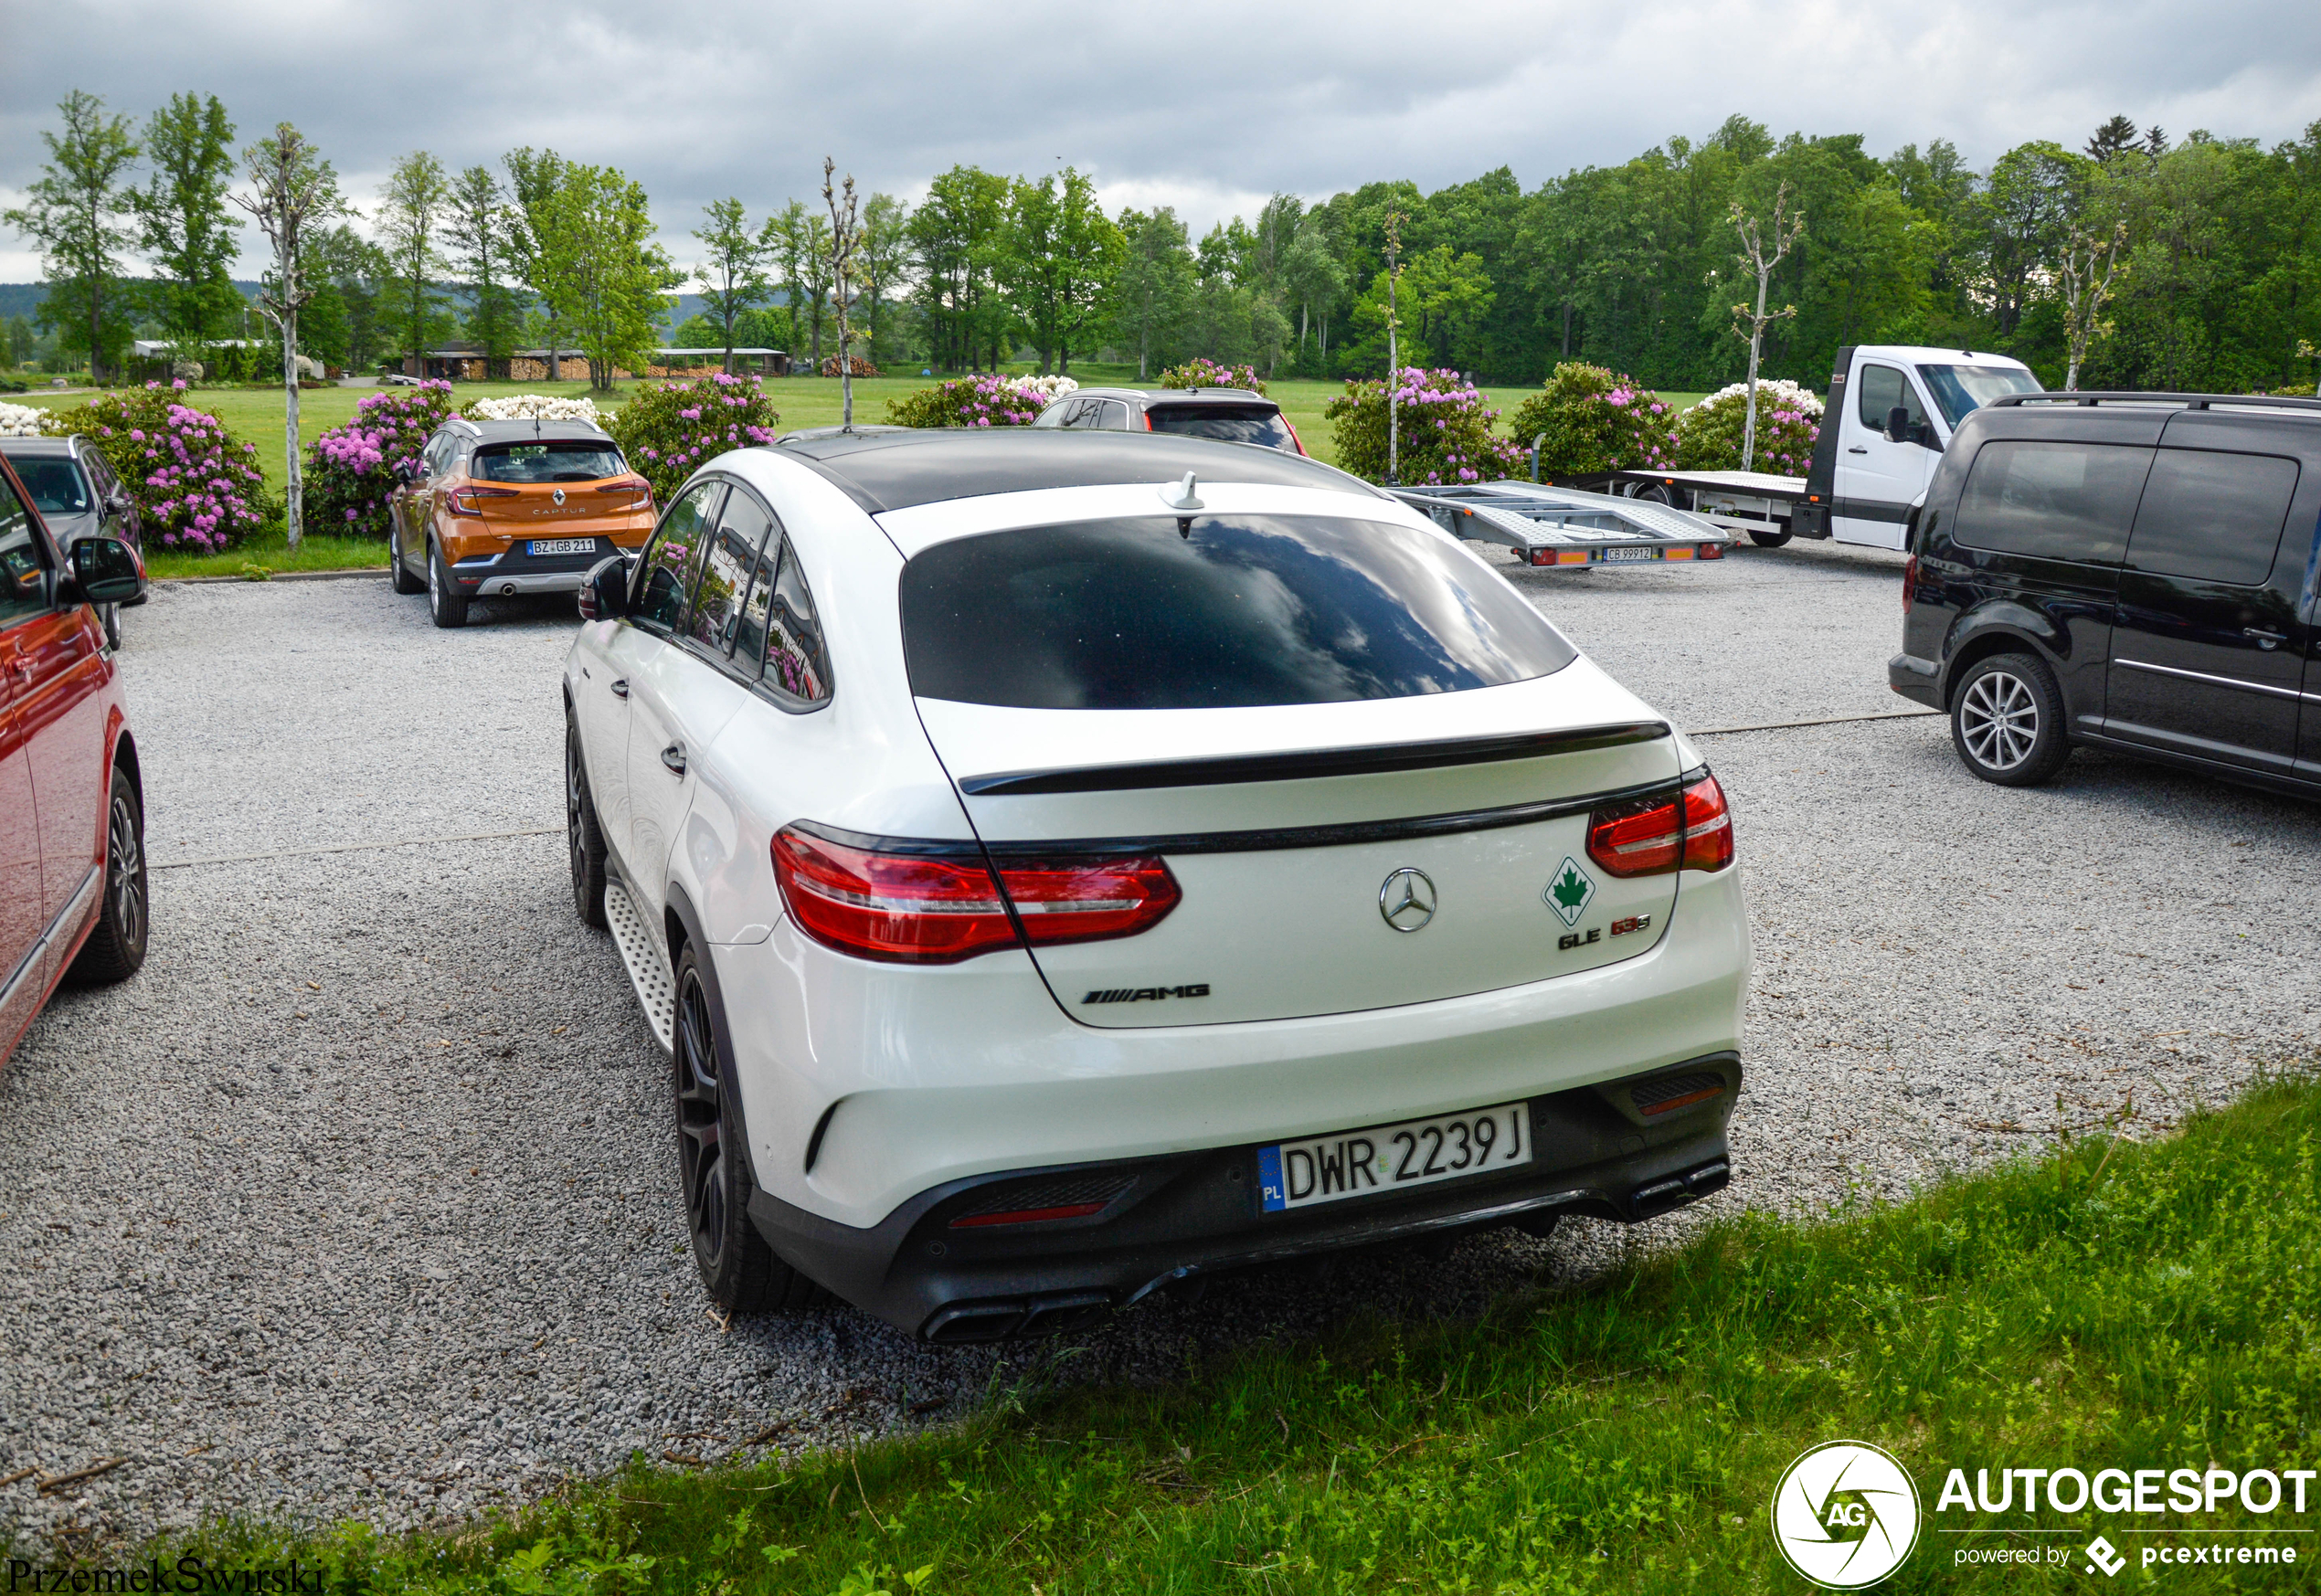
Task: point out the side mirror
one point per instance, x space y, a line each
1898 425
410 470
103 571
604 595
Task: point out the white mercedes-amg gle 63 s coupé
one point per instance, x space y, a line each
1062 863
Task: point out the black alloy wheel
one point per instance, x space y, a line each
116 944
738 1270
2007 721
583 836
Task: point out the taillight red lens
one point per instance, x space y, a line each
1653 836
903 908
1300 442
1707 826
915 908
1088 900
463 500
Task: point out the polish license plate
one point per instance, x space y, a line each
1393 1158
1631 553
564 546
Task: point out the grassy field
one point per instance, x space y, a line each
2111 1303
256 417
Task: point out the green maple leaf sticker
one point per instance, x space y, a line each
1570 888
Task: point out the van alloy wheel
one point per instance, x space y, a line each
1999 720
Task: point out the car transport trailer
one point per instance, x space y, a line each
1892 411
1568 526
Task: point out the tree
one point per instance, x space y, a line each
412 211
73 211
733 275
533 179
1313 279
845 235
1782 231
2114 138
886 255
603 275
292 189
184 224
344 323
2083 274
1155 283
815 279
957 245
789 240
1061 255
475 233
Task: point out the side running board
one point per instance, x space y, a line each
648 972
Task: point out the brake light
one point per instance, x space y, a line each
1909 584
462 499
916 907
1300 442
1691 830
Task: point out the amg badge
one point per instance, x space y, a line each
1146 994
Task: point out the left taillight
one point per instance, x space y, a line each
1690 830
913 903
462 499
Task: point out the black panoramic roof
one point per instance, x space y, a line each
892 470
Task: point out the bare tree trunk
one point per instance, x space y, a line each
294 485
1756 342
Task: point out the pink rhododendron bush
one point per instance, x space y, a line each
350 471
198 487
985 399
668 428
1445 426
1594 420
1788 420
1201 372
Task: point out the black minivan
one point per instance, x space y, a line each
2133 570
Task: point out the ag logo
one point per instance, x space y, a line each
1845 1515
1569 892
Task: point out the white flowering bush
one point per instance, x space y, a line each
533 407
1708 435
1045 389
20 421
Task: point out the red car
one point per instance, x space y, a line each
72 820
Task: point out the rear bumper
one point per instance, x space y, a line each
1181 1216
515 571
1916 679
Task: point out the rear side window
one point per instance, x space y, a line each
1227 424
2053 501
1244 609
547 462
797 664
55 483
2212 516
673 558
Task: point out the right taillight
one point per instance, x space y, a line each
910 905
1690 829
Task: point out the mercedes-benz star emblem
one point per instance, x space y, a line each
557 495
1407 900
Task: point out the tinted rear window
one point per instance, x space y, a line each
1247 609
1242 424
547 462
2212 516
2053 501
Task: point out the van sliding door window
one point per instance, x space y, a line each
2212 516
2053 501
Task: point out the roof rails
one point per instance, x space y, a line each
2189 401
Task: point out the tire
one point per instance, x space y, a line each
1663 493
444 607
116 946
583 835
1769 540
738 1270
2007 721
398 574
109 614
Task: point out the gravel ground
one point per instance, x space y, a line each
359 1200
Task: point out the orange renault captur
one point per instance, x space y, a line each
500 509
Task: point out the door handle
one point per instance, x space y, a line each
2264 640
1856 448
673 757
620 688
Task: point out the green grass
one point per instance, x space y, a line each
270 555
2114 1305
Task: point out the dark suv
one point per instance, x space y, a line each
2132 570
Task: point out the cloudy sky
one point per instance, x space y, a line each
1204 106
